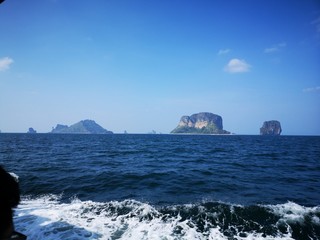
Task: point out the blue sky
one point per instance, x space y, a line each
141 65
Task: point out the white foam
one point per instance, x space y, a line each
47 218
293 213
15 176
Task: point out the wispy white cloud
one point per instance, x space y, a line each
316 23
275 48
312 89
5 63
224 51
270 50
236 65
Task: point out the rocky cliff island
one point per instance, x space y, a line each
271 128
82 127
200 123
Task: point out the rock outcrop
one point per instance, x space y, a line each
31 130
82 127
59 128
200 123
271 128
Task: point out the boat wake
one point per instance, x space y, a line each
46 217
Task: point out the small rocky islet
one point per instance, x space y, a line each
271 128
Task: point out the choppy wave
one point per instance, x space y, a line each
47 217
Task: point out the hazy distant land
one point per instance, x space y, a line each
82 127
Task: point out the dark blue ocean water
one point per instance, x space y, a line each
165 186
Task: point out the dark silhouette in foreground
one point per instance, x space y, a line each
9 198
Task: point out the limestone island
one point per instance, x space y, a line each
200 123
271 128
82 127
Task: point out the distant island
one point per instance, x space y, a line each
200 123
271 128
31 130
82 127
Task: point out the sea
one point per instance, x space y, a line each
162 186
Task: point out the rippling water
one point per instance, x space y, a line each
165 186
